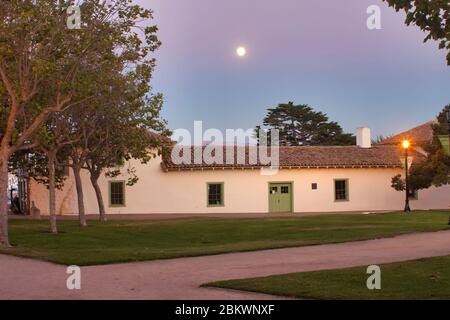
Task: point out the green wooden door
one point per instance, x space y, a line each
280 197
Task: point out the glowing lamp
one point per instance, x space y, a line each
406 144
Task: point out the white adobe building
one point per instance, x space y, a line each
310 179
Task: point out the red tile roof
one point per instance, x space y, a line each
417 135
379 156
160 139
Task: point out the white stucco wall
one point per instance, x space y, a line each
246 191
66 199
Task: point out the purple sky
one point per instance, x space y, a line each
314 52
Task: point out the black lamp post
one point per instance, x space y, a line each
406 144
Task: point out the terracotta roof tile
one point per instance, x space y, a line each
306 157
159 138
417 135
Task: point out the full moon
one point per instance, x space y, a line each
241 51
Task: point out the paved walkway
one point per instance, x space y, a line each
180 278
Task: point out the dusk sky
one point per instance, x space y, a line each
319 53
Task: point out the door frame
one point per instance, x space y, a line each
291 183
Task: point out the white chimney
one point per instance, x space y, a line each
363 138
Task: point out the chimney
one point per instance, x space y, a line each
363 138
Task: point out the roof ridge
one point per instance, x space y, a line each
419 134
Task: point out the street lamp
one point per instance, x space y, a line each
406 145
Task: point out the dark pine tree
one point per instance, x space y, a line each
300 125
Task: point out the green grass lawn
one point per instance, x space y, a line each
123 241
420 279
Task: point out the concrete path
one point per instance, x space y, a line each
180 278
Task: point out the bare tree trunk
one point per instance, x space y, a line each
4 237
51 157
98 193
79 185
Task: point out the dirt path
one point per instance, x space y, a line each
180 278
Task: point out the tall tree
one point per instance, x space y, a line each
36 50
300 125
125 51
123 132
431 16
52 138
47 165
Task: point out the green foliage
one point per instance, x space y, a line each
115 125
437 164
435 169
35 165
36 52
44 65
431 16
104 68
82 94
420 177
398 183
54 81
300 125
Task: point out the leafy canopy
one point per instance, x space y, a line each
431 16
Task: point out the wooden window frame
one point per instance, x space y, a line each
347 190
222 195
110 196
